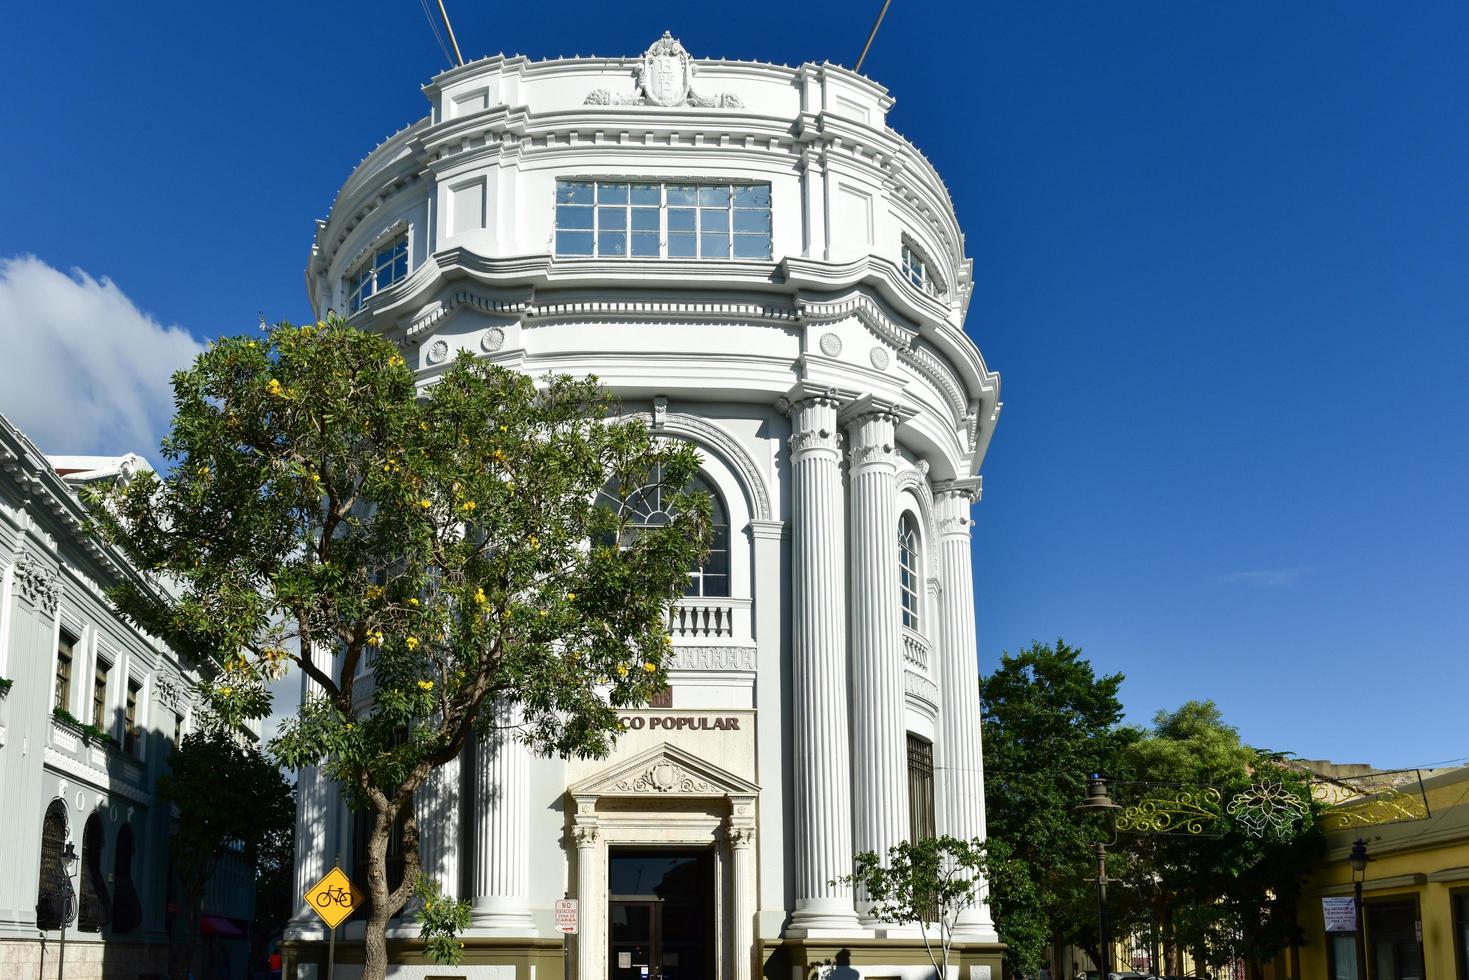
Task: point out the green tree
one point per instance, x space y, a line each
1048 722
461 552
930 883
1228 893
230 799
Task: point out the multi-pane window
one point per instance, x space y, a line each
65 651
617 219
387 264
130 716
920 788
99 692
651 507
915 267
909 580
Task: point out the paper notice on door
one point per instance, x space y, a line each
624 960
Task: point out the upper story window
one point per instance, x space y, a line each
650 507
909 580
619 219
919 271
130 731
65 650
387 264
99 693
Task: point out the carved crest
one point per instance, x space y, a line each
665 77
667 73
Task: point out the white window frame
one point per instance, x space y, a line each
913 259
911 592
731 235
367 259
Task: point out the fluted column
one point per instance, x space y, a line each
589 948
961 757
502 832
823 795
741 842
879 742
318 814
436 809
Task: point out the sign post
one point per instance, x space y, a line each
334 898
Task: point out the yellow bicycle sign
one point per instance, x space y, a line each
334 897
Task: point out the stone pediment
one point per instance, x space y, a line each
664 770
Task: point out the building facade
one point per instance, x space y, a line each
89 710
1414 922
755 263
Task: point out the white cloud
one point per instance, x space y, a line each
1266 578
85 371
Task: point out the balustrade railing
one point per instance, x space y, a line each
915 649
705 617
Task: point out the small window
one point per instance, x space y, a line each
99 693
65 652
131 742
387 264
920 788
920 272
630 219
909 580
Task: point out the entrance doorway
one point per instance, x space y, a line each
660 914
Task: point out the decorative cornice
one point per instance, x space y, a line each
931 368
867 311
434 313
712 658
77 769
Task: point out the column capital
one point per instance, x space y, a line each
739 835
970 488
586 834
870 405
772 530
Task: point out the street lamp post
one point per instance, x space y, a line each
68 906
1097 801
1358 860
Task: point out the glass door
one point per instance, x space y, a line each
660 915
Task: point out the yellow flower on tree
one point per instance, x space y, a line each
412 601
273 387
480 597
650 666
412 642
425 685
467 506
425 503
621 670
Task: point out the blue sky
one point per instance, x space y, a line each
1220 256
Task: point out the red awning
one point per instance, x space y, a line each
213 925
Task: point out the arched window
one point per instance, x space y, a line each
127 909
649 507
910 579
96 904
55 902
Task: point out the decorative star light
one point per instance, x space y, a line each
1268 809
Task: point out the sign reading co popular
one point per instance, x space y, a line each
681 723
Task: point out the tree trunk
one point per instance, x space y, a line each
374 938
385 903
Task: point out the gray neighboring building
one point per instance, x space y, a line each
68 662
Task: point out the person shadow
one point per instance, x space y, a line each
838 968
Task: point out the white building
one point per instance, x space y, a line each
89 710
747 254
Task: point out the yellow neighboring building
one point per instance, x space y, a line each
1415 888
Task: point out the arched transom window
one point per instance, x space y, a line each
650 507
910 588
